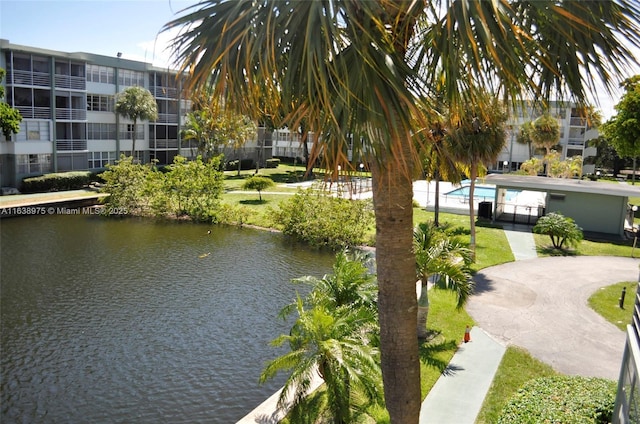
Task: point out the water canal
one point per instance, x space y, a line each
120 321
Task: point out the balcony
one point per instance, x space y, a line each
164 92
164 144
30 112
68 81
71 114
39 79
71 145
167 118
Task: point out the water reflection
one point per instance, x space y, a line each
129 321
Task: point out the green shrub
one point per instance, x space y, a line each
561 399
322 220
273 163
560 229
60 181
258 183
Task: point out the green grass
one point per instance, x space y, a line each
622 248
606 302
516 368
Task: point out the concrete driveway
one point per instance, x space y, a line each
541 305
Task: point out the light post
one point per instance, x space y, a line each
361 166
504 166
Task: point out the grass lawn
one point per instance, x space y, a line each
622 248
606 302
516 368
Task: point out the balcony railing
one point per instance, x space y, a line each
165 92
31 112
68 81
75 145
71 114
167 118
39 79
578 122
164 144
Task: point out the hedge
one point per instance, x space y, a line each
59 181
273 163
562 399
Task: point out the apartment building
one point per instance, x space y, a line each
67 103
575 133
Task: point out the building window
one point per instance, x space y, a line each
34 164
33 131
100 74
101 131
128 78
99 103
101 159
126 131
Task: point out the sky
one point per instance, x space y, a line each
131 27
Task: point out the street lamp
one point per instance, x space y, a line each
361 166
504 166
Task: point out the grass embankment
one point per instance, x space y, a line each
606 302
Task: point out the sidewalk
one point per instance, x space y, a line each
457 396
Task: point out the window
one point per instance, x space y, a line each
34 164
101 131
100 74
33 131
101 159
100 103
128 78
126 131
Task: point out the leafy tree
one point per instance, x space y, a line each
323 220
444 256
136 103
524 136
258 183
533 166
357 71
213 127
126 182
546 134
606 157
335 335
476 138
10 118
562 230
623 129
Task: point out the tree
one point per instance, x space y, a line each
258 183
214 127
533 166
560 229
358 70
335 335
444 256
476 138
524 136
623 129
10 118
545 134
136 103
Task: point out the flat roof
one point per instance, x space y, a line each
563 184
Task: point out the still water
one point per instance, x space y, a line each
131 321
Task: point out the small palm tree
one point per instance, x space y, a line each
136 103
446 258
335 335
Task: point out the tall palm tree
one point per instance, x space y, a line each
357 70
476 138
136 103
443 256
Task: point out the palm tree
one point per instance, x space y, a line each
357 70
136 103
337 336
443 256
476 138
545 134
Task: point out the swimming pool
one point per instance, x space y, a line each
481 192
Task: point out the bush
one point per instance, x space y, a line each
60 181
245 164
272 163
560 229
258 183
322 220
561 399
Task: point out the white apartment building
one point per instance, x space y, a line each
575 133
67 104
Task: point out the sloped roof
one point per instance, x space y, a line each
526 182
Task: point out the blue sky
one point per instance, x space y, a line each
107 27
103 27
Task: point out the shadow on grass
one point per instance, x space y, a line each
552 251
436 343
253 202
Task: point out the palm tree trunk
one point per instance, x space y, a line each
423 310
133 146
472 217
436 206
397 303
